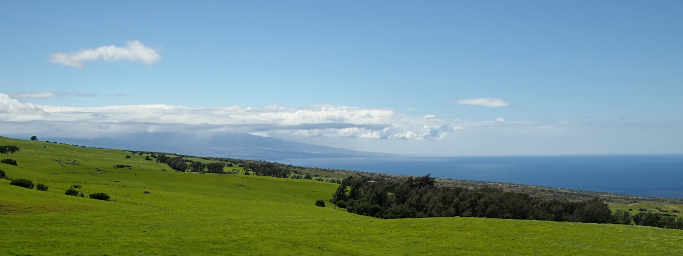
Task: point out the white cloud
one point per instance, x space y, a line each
15 111
500 119
34 95
484 102
275 121
133 51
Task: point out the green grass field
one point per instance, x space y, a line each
209 214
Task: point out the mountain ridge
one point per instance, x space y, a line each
233 145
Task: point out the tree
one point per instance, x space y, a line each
420 197
647 219
177 163
679 223
622 217
215 167
34 138
196 167
593 211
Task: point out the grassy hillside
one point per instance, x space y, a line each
209 214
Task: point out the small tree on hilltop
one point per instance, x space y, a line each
34 138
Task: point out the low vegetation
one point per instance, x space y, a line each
243 213
9 161
8 149
410 197
41 187
22 183
74 191
99 196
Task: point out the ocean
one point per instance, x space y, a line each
656 176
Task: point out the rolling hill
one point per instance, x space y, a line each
235 145
157 211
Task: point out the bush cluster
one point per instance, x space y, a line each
386 197
420 197
100 196
73 191
661 220
2 174
9 161
22 183
264 168
215 167
177 163
320 203
8 149
41 187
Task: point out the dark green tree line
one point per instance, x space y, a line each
421 197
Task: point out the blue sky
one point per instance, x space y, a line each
574 77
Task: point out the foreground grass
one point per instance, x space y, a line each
206 214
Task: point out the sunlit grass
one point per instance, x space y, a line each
210 214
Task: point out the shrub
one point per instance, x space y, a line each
9 161
22 183
34 138
100 196
2 174
8 149
622 217
215 167
127 156
320 203
41 187
119 166
71 192
341 204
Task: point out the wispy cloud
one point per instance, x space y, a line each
133 51
34 95
484 102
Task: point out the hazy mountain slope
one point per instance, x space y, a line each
233 145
